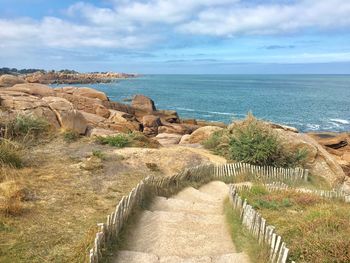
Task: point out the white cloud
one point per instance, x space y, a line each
270 18
138 24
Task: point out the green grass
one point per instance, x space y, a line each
243 240
99 154
315 229
23 126
70 136
119 140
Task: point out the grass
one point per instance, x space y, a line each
243 240
323 224
11 198
59 223
119 140
133 139
10 154
99 154
70 136
25 127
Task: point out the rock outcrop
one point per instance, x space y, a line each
143 103
319 161
202 134
10 80
68 118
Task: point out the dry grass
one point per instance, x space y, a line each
315 229
59 222
243 240
12 195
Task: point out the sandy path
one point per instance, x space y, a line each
189 227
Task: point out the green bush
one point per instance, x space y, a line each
10 154
252 141
26 125
99 154
70 136
119 140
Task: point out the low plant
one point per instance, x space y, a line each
119 140
70 136
11 197
99 154
322 223
26 126
10 154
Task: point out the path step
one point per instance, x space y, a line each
179 234
193 195
177 205
138 257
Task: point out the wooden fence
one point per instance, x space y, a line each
258 226
279 186
167 186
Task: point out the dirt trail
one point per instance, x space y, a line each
189 227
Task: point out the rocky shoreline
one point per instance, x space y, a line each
91 113
62 77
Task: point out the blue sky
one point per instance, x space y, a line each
177 36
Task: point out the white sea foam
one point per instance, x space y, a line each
340 121
313 127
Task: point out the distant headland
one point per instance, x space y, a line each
64 76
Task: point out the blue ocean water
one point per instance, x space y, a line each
307 102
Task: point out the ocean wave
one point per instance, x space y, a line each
341 121
209 112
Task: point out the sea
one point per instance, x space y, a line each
307 102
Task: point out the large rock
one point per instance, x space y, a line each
33 89
10 80
177 128
99 132
122 121
23 103
150 125
143 103
319 161
84 92
203 134
69 118
81 103
166 139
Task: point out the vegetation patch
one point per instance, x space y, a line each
71 136
252 141
133 139
243 240
314 228
10 154
25 127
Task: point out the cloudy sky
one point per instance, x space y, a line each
177 36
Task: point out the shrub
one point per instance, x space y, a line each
257 143
119 140
10 154
99 154
26 125
70 136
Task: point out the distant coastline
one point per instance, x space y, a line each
64 76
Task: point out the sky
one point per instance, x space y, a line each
177 36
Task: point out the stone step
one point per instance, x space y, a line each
138 257
179 234
194 195
216 189
178 205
